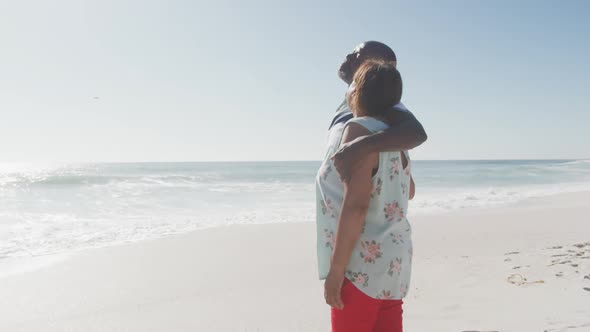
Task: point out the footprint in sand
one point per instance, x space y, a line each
569 327
555 247
518 267
558 262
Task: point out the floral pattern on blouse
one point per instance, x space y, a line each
394 168
385 295
404 188
358 278
330 238
403 289
393 212
395 267
370 251
377 188
328 208
397 238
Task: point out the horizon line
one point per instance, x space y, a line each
266 161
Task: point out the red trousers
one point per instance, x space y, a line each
362 313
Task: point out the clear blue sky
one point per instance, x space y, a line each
222 80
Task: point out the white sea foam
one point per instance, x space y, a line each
456 199
60 208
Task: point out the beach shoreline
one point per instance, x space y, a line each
48 209
467 269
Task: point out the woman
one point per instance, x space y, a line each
364 243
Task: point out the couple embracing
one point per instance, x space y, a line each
364 184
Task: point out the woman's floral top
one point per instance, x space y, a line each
380 265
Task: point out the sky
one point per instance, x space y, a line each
235 80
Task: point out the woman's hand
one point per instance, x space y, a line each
333 290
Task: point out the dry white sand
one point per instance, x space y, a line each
263 278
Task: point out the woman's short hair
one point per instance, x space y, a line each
378 87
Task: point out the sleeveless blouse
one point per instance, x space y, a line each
380 265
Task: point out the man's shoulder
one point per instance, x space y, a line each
343 114
341 118
401 107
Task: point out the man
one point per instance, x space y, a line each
407 134
351 219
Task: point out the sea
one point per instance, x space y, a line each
57 208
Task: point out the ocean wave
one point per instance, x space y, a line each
77 180
456 199
54 209
40 234
577 162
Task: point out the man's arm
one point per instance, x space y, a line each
405 133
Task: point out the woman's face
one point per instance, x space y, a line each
349 93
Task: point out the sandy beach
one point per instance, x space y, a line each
163 164
263 277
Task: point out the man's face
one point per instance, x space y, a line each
355 59
351 64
